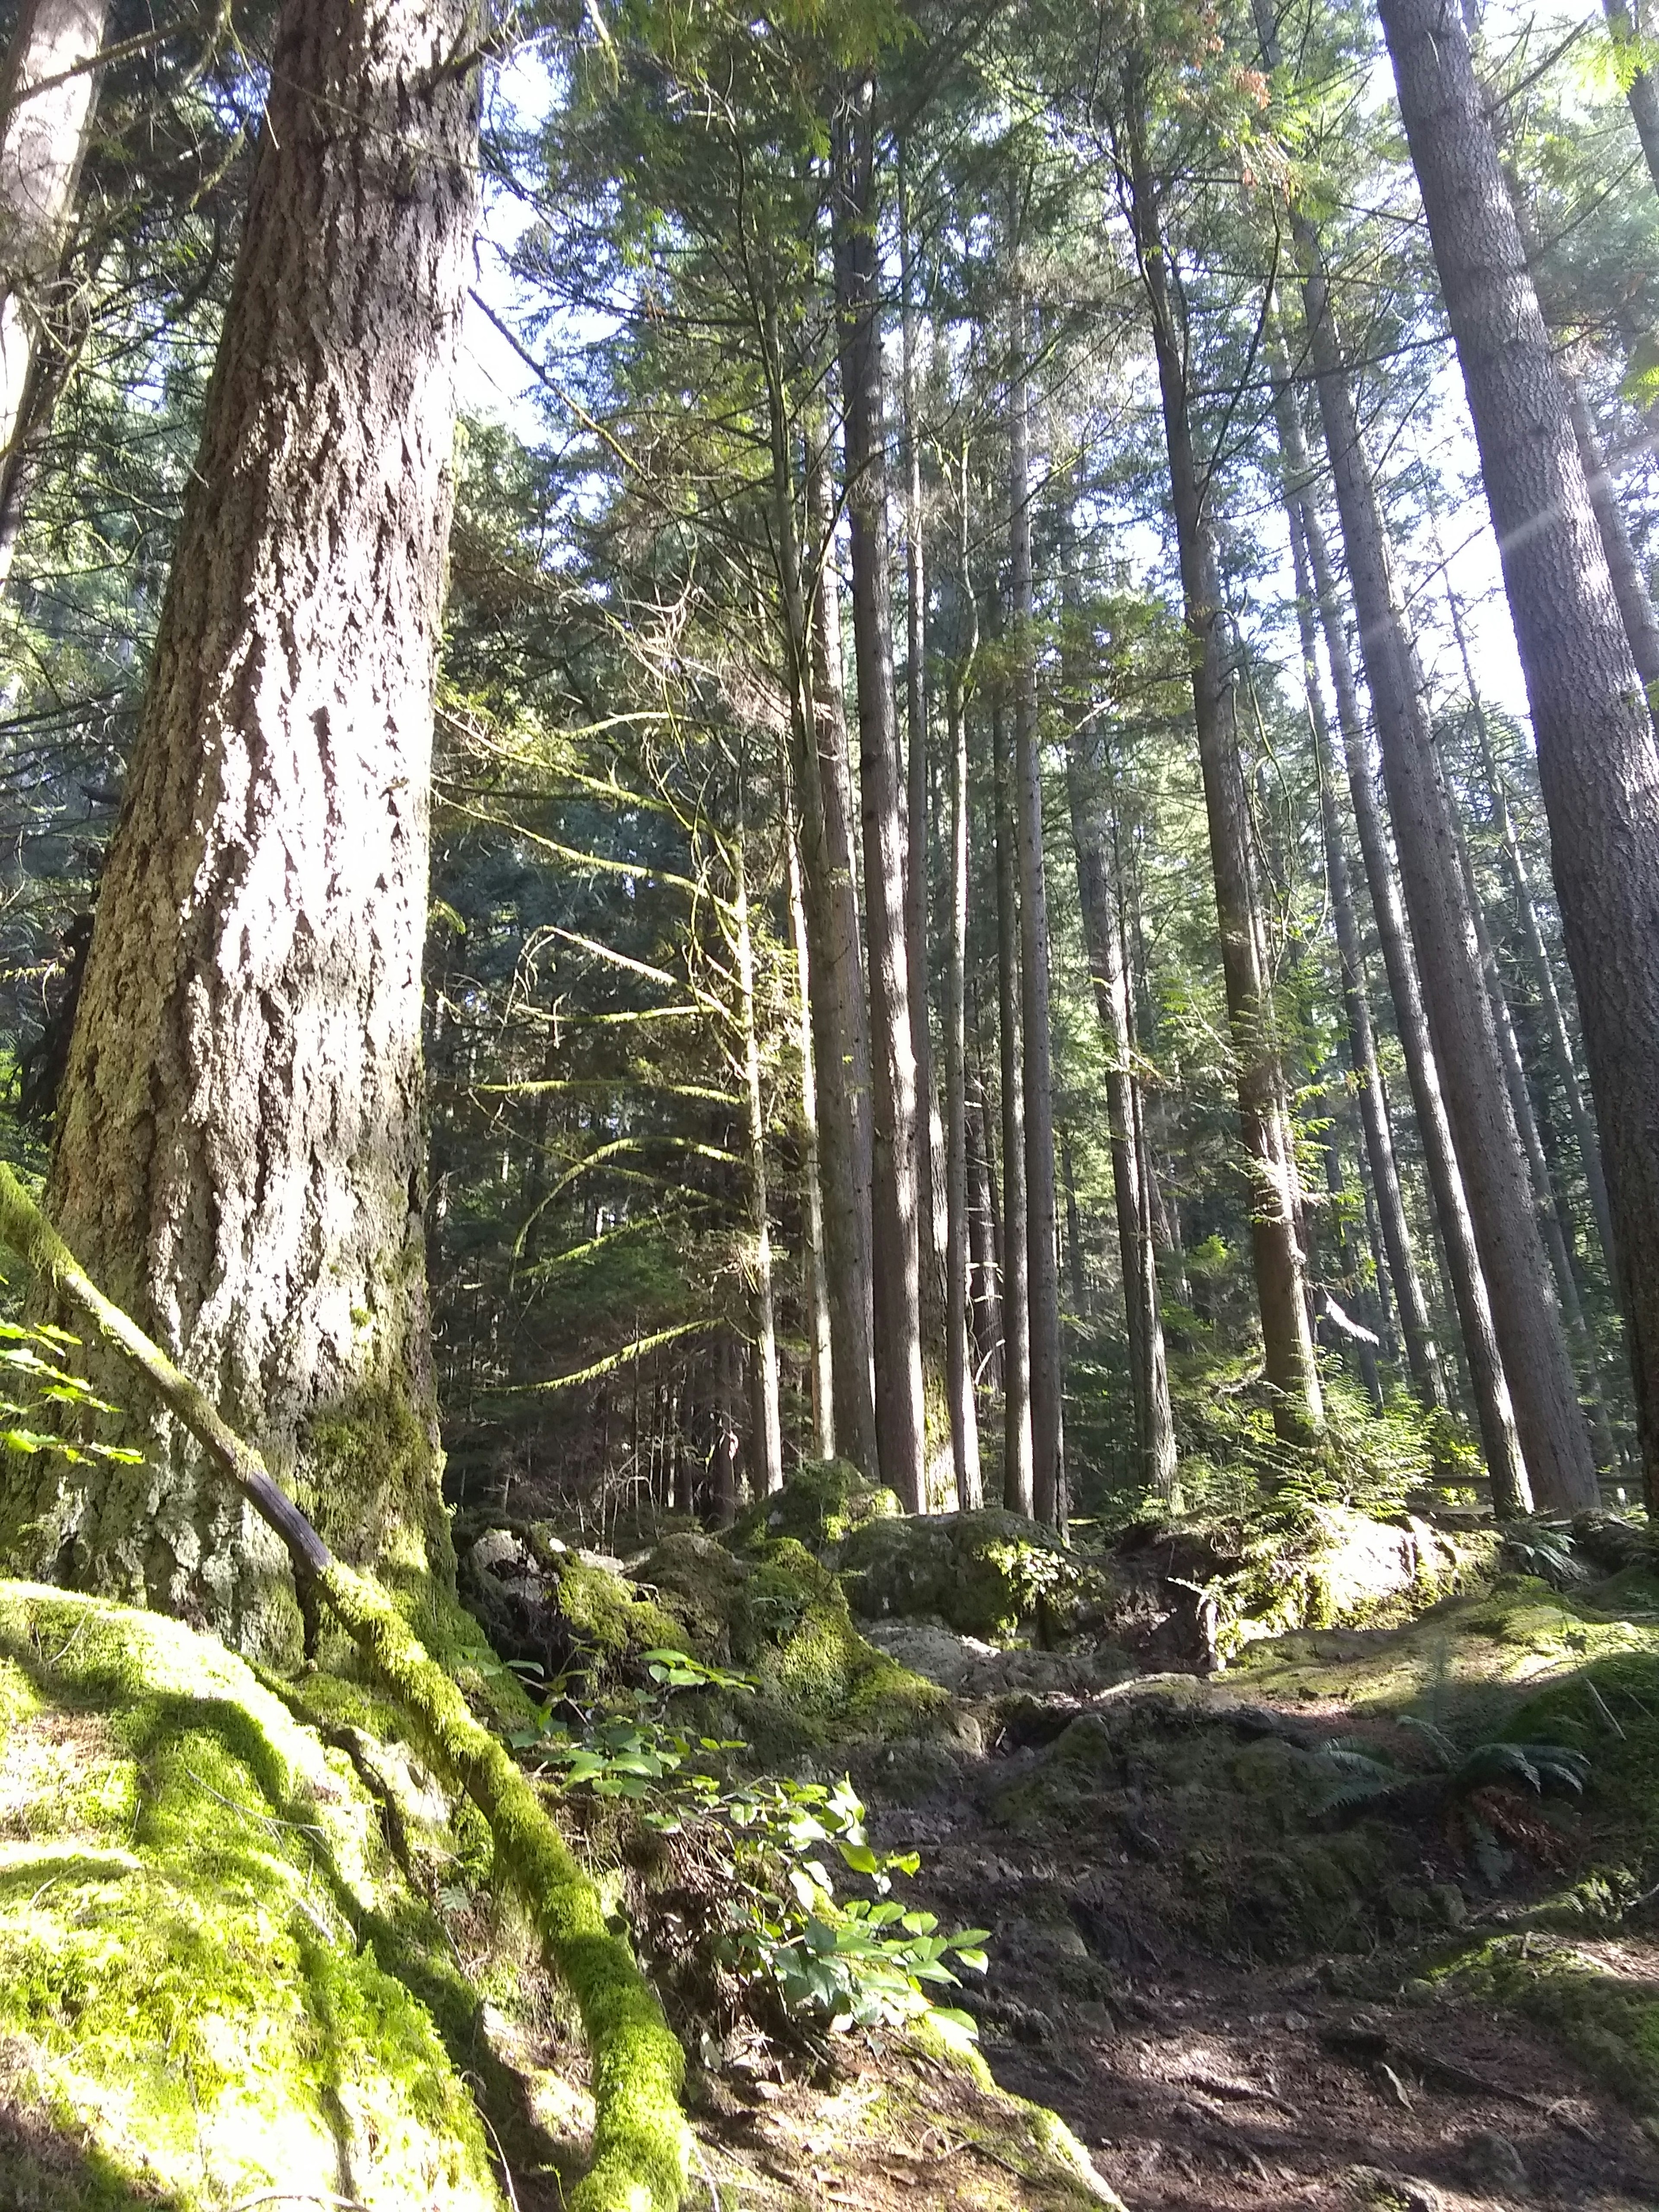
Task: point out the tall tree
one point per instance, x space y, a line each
894 1204
240 1151
1041 1265
1597 750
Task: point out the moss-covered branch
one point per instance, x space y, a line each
642 2146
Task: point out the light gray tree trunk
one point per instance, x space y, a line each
766 1465
1017 1485
958 1327
1630 588
48 98
240 1156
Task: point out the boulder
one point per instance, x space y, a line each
821 1502
990 1574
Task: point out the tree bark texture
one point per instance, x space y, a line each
1041 1266
43 135
1598 754
240 1153
1531 1339
820 1343
767 1468
895 1208
1279 1259
958 1259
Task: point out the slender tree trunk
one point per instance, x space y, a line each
240 1156
1149 1380
1630 588
767 1466
1041 1266
43 135
822 1363
958 1331
840 1019
1280 1266
1540 964
1422 1359
982 1227
895 1193
928 1167
1597 752
1494 1409
1642 90
1017 1480
1536 1363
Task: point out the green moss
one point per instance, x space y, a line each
610 1618
184 1999
821 1502
989 1574
1603 2011
641 2147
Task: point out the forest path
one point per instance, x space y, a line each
1180 1953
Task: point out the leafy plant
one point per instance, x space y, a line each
1543 1547
31 1353
776 1849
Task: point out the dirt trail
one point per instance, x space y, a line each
1221 2072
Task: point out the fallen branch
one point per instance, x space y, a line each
641 2144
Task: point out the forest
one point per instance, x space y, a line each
829 1105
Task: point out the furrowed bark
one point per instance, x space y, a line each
240 1151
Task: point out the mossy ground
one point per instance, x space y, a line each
192 2004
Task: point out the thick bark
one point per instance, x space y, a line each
841 1018
1279 1265
1103 934
1630 588
1422 1359
1642 90
240 1152
1017 1483
43 135
1041 1264
894 1194
1597 752
1532 1342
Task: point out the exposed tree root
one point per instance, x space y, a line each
641 2144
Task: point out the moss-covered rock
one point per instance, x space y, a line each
988 1574
188 2004
821 1502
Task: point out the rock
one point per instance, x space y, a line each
1493 2166
971 1667
989 1575
821 1502
1380 2190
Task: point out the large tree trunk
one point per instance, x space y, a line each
816 1286
1280 1264
43 135
1422 1359
1597 752
895 1195
239 1157
1041 1265
1532 1341
1494 1409
841 1017
1017 1485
